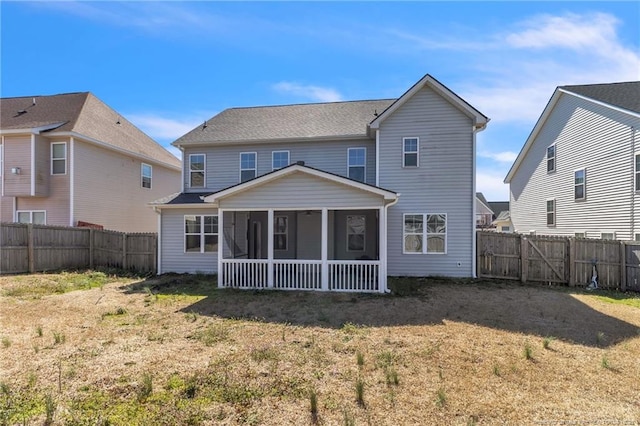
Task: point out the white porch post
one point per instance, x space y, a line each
220 247
382 229
324 269
270 248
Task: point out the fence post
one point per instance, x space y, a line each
623 266
572 261
124 251
30 248
524 259
91 248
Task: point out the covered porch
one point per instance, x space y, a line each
303 229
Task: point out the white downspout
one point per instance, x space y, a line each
159 254
383 273
632 223
71 162
33 164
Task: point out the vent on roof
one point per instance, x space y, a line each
20 112
300 163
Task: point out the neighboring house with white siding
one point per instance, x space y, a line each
70 160
578 173
328 196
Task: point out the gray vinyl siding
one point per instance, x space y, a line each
443 182
589 136
223 162
17 153
318 193
172 255
43 165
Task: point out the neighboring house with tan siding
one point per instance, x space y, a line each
69 159
329 196
578 173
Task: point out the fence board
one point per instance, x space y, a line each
25 248
632 263
499 255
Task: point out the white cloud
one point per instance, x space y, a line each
491 185
163 128
310 92
503 157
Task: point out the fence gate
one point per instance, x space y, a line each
546 259
498 255
632 263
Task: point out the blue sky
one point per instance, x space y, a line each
168 66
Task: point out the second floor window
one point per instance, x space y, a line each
551 159
248 166
146 171
637 174
58 158
410 147
356 160
197 171
279 159
580 182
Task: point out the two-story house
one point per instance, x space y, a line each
71 160
327 196
578 173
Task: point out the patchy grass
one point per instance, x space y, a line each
627 299
175 349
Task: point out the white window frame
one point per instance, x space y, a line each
612 233
142 175
203 171
405 152
636 237
552 212
364 233
583 184
636 158
52 159
364 165
201 232
552 158
273 159
276 218
579 234
255 169
31 212
425 233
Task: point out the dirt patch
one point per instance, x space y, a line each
444 353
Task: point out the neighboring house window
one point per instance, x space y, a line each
279 159
37 217
200 233
146 172
197 175
551 159
580 235
608 235
280 232
356 227
410 147
580 189
356 160
58 158
551 212
415 233
505 228
637 237
248 167
637 172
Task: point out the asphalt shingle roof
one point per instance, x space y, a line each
320 120
624 95
82 113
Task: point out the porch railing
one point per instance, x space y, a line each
354 275
294 274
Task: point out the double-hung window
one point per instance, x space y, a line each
356 163
551 158
59 158
200 233
410 149
197 174
580 184
356 229
146 171
38 217
425 233
248 166
551 212
279 159
637 173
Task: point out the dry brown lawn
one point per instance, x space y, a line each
174 350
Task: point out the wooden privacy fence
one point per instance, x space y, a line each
37 248
562 260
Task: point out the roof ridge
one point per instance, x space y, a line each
44 96
311 103
601 84
84 104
